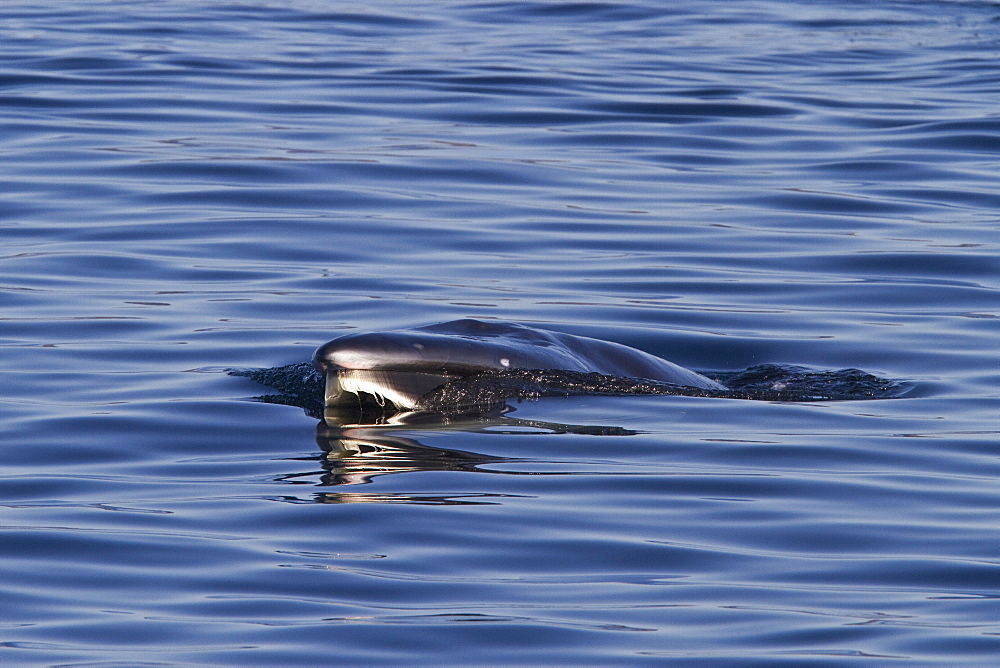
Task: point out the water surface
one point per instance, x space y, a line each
189 187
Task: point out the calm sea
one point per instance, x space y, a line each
187 187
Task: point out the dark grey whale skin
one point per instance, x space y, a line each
464 347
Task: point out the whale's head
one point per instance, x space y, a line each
403 366
400 367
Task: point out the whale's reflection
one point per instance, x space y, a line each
356 448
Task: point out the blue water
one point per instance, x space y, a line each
193 186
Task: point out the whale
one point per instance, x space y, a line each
400 367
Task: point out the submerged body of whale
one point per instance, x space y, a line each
402 366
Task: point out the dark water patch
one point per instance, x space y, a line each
934 268
670 112
905 170
834 203
966 142
556 13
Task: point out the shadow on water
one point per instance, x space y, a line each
362 441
